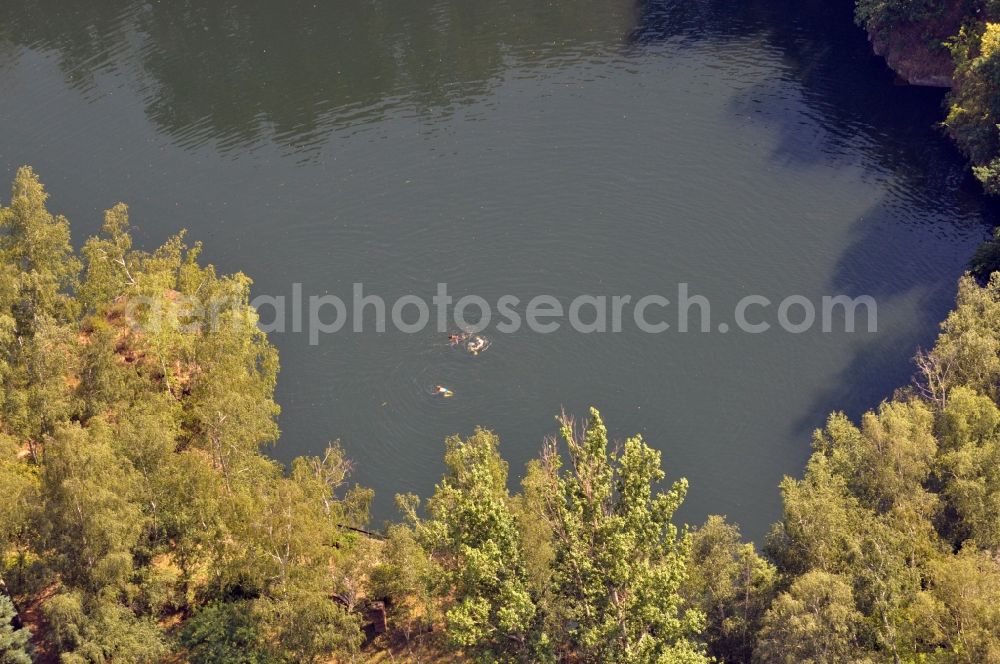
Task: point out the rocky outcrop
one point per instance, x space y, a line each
912 59
917 51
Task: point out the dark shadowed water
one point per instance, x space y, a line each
521 147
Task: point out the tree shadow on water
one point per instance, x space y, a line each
914 265
831 100
834 104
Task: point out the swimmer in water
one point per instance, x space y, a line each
443 391
457 338
477 344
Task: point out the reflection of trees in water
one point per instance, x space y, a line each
237 71
243 71
83 37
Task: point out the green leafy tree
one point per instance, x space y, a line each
815 622
39 268
975 100
19 497
409 579
968 468
224 633
229 408
956 618
885 14
111 267
967 352
14 646
472 532
848 519
986 258
93 629
732 585
37 272
310 627
90 518
537 542
619 561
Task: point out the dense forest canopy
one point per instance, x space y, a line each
141 519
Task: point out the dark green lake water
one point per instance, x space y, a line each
521 147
